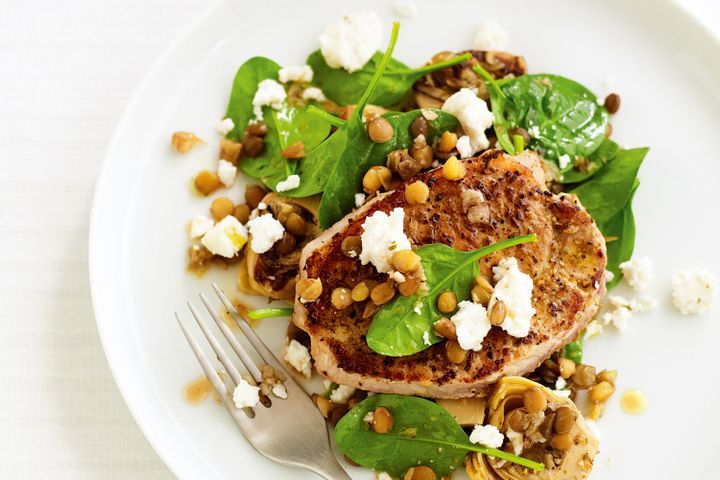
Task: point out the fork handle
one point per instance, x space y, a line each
331 470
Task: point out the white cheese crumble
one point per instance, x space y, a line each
265 230
463 147
593 329
619 317
487 435
397 276
514 288
227 173
200 225
562 393
290 183
560 384
516 439
279 391
313 93
564 161
341 394
471 325
360 199
473 114
226 238
384 476
351 41
426 338
298 357
490 36
642 305
382 236
246 395
609 276
637 273
269 93
369 417
693 292
534 131
428 114
592 428
405 9
225 126
296 73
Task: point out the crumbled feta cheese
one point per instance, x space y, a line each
313 93
279 391
351 41
246 395
290 183
262 206
609 276
473 114
428 114
298 357
560 384
471 325
300 73
619 317
514 288
490 36
693 292
562 393
369 417
637 273
397 276
226 238
419 141
534 131
516 440
405 8
225 126
359 199
341 394
642 305
227 173
592 428
593 329
564 161
265 230
487 435
326 384
269 93
426 338
384 476
463 147
382 236
200 225
418 307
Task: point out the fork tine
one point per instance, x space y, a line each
205 364
244 357
252 337
221 355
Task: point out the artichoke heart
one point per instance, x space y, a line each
273 273
555 435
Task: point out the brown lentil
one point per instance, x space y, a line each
584 376
242 213
517 420
294 151
447 302
566 366
221 207
340 298
417 193
423 155
409 286
182 142
453 169
252 145
447 142
323 404
286 244
376 178
296 224
454 352
360 292
379 130
254 194
607 376
230 150
257 129
382 420
561 441
419 126
481 291
206 182
564 419
420 473
601 392
445 328
405 261
382 293
351 246
309 289
498 313
402 163
612 103
534 400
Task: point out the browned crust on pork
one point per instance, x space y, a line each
567 264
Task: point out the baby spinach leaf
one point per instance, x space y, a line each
574 350
346 88
362 153
423 433
315 168
619 232
247 78
599 158
398 329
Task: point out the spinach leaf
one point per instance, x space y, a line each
574 350
361 153
619 234
423 433
315 168
606 193
397 329
599 158
346 88
285 126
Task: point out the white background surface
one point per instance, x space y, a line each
67 70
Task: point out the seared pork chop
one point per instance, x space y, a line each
567 265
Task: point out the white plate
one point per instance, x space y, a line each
666 68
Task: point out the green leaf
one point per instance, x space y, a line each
574 350
361 153
346 88
621 227
247 78
315 168
397 329
599 158
423 433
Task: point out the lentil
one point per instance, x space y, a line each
419 126
351 246
340 298
242 213
230 150
206 182
447 302
309 289
254 194
382 293
445 328
379 130
601 392
567 367
360 292
420 473
221 207
454 352
584 376
423 155
409 286
534 400
564 419
612 103
286 244
481 291
382 420
447 142
561 441
498 313
376 178
296 224
405 261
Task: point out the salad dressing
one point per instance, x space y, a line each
633 402
197 391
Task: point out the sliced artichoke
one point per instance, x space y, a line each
433 89
567 456
273 273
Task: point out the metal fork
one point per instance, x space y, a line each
291 431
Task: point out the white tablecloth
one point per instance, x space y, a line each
67 70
